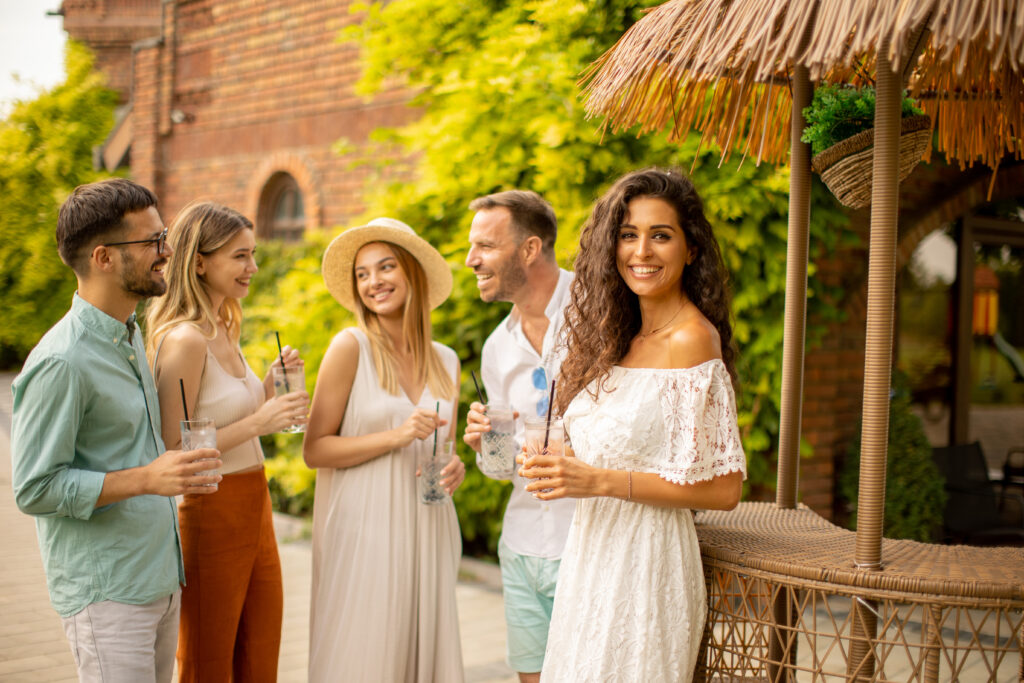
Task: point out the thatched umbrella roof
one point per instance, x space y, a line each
723 67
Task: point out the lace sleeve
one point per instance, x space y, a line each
701 439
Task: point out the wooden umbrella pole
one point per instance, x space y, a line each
782 638
878 353
796 295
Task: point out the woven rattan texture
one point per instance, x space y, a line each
846 166
801 544
761 630
784 600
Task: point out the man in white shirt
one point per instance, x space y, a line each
512 242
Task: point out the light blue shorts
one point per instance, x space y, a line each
528 585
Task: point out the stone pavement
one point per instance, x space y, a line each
32 643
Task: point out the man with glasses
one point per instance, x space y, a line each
512 253
88 460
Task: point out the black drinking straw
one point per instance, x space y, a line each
551 403
184 405
280 354
437 409
479 393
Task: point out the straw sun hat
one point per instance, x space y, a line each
340 257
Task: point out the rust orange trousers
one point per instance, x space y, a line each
232 603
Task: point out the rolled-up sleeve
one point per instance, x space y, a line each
48 410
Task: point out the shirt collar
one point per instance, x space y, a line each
98 321
556 303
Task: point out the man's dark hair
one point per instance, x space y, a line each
531 214
95 212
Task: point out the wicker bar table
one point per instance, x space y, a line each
944 613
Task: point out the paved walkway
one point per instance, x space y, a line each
32 643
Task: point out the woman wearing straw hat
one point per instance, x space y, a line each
647 398
384 564
231 607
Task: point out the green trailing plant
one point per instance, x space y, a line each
915 495
838 112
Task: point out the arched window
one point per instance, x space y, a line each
282 214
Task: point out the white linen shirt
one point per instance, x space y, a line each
531 527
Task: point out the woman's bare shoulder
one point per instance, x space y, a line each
693 342
345 342
342 352
184 338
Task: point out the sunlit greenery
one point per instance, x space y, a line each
45 151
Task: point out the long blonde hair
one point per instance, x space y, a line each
199 228
415 328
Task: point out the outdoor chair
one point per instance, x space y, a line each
976 513
1013 475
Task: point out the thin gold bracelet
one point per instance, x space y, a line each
629 484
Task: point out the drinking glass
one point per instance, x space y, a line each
498 446
539 431
430 462
287 380
199 432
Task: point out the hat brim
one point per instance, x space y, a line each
339 260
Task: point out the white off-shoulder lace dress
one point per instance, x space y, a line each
630 603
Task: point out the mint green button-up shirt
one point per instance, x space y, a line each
85 404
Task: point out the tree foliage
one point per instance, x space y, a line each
495 84
915 494
45 151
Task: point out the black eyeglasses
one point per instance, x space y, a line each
160 240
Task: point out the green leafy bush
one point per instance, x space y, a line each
838 112
915 495
45 151
288 296
292 484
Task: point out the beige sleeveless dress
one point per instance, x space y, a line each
384 565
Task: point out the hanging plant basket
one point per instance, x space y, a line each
846 166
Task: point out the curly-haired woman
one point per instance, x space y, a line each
646 391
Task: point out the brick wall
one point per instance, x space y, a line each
109 28
247 88
833 381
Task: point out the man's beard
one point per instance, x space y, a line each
137 282
511 278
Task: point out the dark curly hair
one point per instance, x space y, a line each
603 315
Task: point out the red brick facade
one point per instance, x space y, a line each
110 28
227 93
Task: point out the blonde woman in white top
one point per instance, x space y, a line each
232 603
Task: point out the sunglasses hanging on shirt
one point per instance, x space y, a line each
540 382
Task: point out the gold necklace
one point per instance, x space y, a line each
644 335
